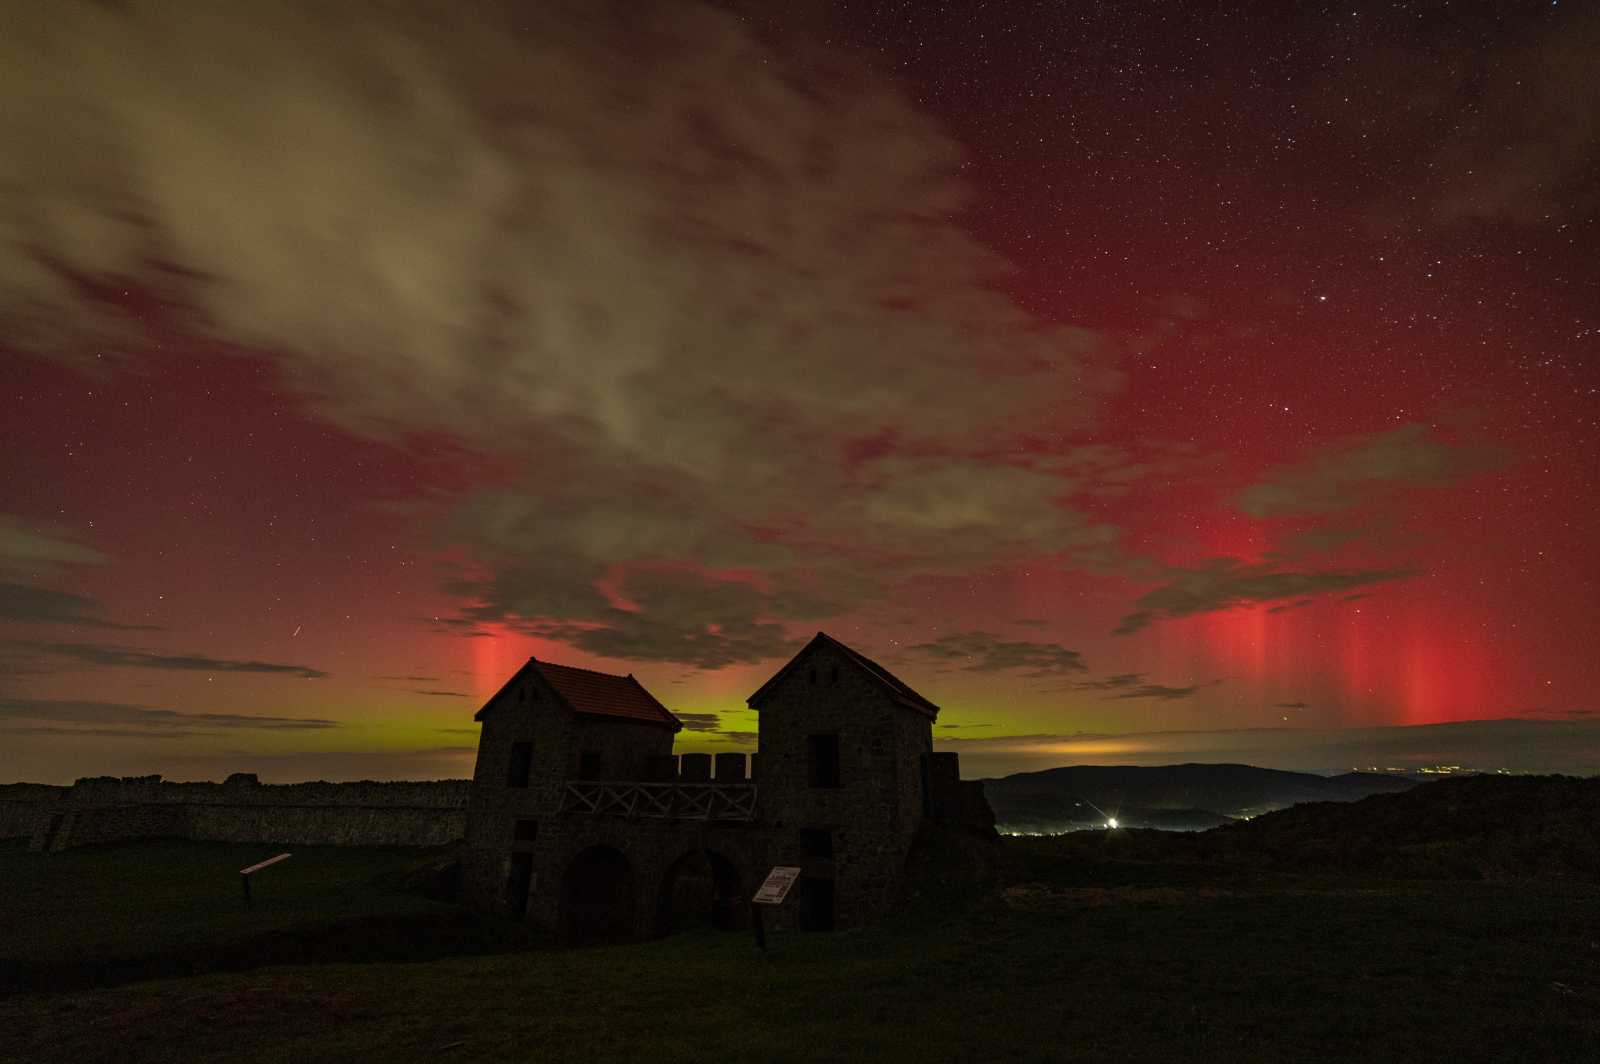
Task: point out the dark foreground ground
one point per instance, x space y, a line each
1083 956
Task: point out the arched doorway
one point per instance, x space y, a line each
597 896
700 889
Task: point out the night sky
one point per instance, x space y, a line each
1140 382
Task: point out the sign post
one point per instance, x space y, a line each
774 889
246 873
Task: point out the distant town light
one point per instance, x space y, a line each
1112 822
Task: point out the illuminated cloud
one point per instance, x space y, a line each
1345 474
1224 583
125 657
25 550
670 302
984 652
27 604
1133 685
128 715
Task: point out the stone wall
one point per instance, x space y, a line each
108 809
20 805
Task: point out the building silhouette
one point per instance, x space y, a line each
581 819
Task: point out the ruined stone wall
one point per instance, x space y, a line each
21 805
107 809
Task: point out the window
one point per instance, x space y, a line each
824 760
589 765
833 675
521 762
526 831
816 842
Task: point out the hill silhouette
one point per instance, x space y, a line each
1480 827
1183 797
1477 827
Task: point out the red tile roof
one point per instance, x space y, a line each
598 693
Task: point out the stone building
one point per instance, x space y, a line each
580 817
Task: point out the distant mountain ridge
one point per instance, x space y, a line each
1183 797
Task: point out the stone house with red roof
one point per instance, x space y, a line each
582 819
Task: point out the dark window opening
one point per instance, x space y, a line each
521 763
833 675
824 760
518 884
816 842
526 831
816 903
589 765
811 677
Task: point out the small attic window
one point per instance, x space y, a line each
833 675
811 677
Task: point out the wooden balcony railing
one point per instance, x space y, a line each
662 801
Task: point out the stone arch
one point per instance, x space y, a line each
701 887
597 896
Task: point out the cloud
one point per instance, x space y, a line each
26 604
1118 682
555 235
1353 471
679 617
1500 128
984 652
87 712
410 679
1133 685
1224 583
125 657
1292 705
441 694
26 550
700 722
104 733
1161 692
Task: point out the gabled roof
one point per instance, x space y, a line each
898 689
598 694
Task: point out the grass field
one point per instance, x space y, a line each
1120 961
110 913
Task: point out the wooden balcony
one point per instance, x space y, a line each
662 801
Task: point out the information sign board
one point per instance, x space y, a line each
777 886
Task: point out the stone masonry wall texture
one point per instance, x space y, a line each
108 809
